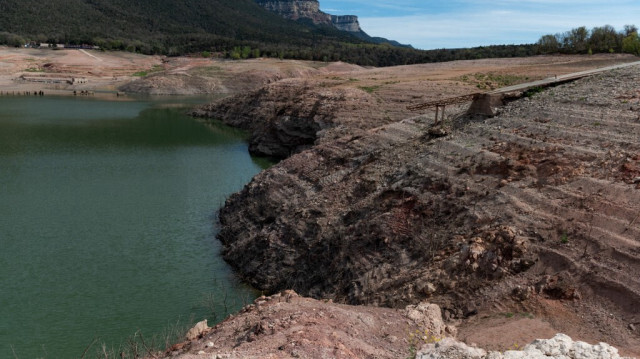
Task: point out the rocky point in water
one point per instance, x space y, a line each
474 220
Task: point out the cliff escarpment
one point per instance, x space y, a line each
310 9
297 9
347 23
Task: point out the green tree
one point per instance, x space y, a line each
548 44
630 29
236 53
604 39
578 39
631 44
245 52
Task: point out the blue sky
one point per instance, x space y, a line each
464 23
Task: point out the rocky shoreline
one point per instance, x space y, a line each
512 213
286 325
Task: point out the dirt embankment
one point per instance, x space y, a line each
286 325
533 211
65 71
189 76
289 326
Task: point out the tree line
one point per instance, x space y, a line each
320 49
285 39
580 40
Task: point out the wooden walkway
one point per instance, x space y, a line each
483 103
442 104
559 79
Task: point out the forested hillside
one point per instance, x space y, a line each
235 29
158 26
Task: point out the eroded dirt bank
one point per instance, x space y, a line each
533 211
289 326
286 325
291 115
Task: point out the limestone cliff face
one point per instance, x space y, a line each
310 9
297 9
346 23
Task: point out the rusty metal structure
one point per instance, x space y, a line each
443 103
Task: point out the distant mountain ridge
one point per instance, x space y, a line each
153 26
310 10
234 29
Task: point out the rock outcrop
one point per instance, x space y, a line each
559 347
198 330
289 116
297 9
310 9
347 23
372 216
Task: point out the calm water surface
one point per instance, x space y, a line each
106 222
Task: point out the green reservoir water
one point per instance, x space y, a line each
107 222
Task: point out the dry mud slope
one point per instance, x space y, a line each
286 325
536 210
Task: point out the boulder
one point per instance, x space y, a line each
198 330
